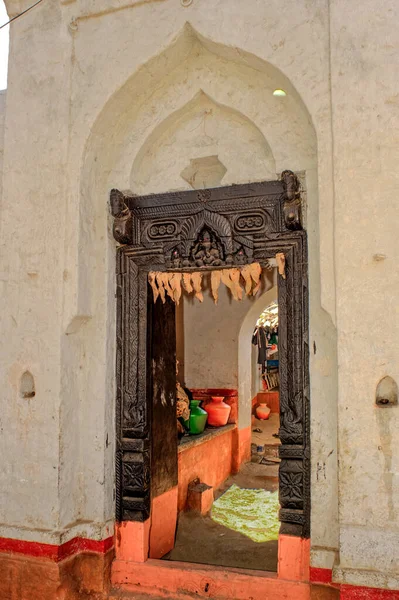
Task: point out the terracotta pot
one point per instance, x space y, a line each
218 411
198 418
262 412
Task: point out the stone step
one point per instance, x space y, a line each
158 579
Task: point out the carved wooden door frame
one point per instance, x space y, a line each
251 222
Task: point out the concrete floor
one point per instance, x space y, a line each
268 428
200 540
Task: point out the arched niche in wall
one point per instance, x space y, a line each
241 86
189 75
202 128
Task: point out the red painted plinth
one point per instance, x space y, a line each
53 552
293 558
321 576
184 580
132 540
44 576
163 523
352 592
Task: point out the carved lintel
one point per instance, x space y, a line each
122 228
292 205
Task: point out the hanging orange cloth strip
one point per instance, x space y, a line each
171 283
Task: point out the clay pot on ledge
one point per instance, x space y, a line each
262 412
197 419
218 411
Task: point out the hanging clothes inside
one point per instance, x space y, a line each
259 339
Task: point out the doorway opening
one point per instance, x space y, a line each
227 509
168 239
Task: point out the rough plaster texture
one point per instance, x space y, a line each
102 94
364 63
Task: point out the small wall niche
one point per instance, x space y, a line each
387 392
27 385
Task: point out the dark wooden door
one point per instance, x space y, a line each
162 356
162 394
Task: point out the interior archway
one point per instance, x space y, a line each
245 370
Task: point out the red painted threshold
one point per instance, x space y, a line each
162 578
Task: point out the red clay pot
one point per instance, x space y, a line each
218 411
262 412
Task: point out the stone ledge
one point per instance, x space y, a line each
209 433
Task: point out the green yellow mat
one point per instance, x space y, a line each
253 513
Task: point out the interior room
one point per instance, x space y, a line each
226 383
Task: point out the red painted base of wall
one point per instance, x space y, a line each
53 552
33 571
323 579
350 592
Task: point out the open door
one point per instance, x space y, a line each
162 394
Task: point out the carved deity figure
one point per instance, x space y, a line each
175 259
206 252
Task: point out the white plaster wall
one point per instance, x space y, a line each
365 61
3 96
94 89
31 273
211 334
